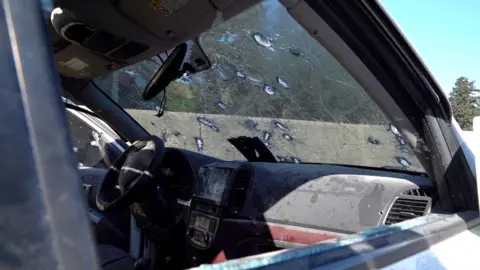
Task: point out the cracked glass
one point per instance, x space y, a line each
268 79
85 143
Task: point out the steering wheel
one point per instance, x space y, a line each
132 177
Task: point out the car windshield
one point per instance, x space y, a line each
269 79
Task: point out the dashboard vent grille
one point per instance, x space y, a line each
421 192
408 207
240 188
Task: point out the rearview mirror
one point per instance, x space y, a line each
168 72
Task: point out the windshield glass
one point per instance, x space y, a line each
270 79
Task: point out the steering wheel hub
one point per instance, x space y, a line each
132 177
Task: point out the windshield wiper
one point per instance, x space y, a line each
253 149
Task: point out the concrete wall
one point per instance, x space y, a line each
317 142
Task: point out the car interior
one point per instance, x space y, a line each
157 207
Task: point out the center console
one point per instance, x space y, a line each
212 195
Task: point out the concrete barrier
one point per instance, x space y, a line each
315 142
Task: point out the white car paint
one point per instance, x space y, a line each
467 144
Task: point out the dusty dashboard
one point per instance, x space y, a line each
296 203
327 197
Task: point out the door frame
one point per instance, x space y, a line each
361 36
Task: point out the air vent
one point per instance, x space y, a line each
422 192
408 207
240 188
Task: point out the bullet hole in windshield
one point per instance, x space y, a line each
269 89
282 82
228 38
208 123
255 80
287 137
199 143
280 125
266 138
221 105
289 159
294 52
373 140
393 129
404 162
400 140
261 40
404 149
241 75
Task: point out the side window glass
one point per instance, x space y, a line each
85 143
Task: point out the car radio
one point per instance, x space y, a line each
202 229
210 197
213 184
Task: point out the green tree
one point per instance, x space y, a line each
463 104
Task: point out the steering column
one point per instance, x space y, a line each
134 182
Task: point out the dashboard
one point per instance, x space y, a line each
236 209
270 206
179 172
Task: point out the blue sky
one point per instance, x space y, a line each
445 33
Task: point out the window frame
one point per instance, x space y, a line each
363 29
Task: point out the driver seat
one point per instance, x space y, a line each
112 258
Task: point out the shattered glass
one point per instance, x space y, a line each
269 78
85 143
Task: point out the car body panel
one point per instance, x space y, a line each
376 248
